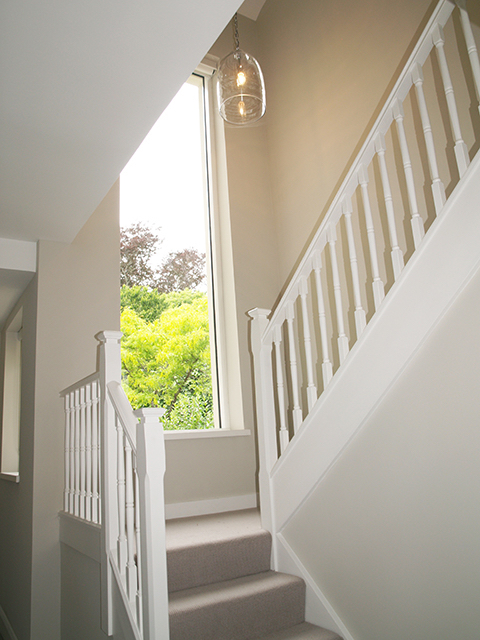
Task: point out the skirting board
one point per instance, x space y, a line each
317 608
205 507
5 627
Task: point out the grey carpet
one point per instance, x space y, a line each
221 586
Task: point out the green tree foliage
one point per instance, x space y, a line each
149 304
166 362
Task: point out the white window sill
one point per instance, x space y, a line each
191 434
11 476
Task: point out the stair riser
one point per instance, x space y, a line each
206 564
251 616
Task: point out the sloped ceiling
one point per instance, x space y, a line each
82 84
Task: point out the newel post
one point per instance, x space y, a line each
153 561
265 409
110 368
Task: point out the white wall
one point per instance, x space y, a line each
391 534
78 296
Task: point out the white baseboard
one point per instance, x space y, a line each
318 610
205 507
6 629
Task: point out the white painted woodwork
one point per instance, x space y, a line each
82 449
88 454
296 410
377 284
327 368
311 388
95 453
397 255
360 316
418 228
438 188
267 334
67 490
471 48
265 411
121 535
151 471
461 151
283 434
337 290
83 464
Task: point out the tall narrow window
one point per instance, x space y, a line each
10 461
171 316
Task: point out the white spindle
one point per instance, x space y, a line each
337 291
418 228
66 493
77 453
397 255
95 454
71 501
327 369
377 284
438 189
131 577
311 388
283 435
122 539
359 313
296 411
471 48
88 452
82 452
138 599
461 151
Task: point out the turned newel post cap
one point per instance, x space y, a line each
259 313
109 336
151 414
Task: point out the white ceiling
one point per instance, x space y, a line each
82 84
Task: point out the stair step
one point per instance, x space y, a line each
239 609
208 549
304 631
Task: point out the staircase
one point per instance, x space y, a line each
221 586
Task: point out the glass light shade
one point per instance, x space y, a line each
240 88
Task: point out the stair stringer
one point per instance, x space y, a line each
318 609
429 284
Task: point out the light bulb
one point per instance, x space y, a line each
241 79
241 107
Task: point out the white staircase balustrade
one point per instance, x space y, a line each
336 291
82 449
118 453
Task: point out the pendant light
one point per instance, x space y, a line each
240 86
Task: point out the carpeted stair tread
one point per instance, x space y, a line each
207 549
304 631
239 609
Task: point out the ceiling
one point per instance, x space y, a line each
82 84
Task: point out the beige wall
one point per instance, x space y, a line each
16 499
393 528
74 296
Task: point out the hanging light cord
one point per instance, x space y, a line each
235 32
